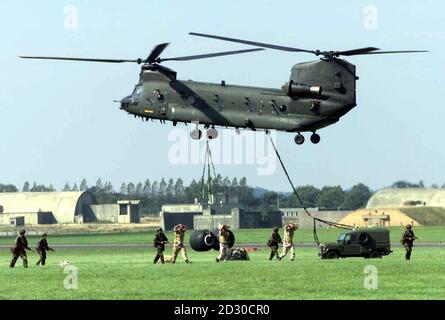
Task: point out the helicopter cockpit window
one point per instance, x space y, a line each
137 91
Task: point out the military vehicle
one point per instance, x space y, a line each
317 94
369 243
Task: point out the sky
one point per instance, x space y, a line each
58 121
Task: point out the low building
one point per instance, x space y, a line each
126 211
40 208
303 220
47 207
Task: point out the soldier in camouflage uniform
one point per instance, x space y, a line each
178 245
19 250
159 242
288 244
407 241
223 242
42 247
273 243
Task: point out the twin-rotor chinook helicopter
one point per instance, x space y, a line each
317 94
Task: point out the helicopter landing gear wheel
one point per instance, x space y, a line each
315 138
196 134
299 139
212 134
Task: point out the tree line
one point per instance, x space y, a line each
153 194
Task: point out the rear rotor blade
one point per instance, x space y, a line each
252 43
210 55
156 52
80 59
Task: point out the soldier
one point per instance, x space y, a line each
178 245
407 241
159 243
288 244
42 247
273 243
223 242
19 249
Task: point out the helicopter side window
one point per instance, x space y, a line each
159 96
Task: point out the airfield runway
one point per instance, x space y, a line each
241 245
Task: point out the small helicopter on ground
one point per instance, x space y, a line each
317 94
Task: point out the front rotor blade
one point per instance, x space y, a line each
252 43
80 59
391 52
156 52
357 51
210 55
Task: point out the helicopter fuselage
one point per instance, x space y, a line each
297 107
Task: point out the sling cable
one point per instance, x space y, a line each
208 164
329 223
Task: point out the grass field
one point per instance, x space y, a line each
427 234
130 274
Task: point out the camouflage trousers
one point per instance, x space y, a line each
286 249
223 251
16 254
274 252
159 255
42 259
409 249
179 247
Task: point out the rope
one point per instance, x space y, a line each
203 173
330 223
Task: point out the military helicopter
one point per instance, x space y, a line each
317 94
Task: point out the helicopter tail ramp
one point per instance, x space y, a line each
329 79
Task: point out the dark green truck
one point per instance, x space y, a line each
366 243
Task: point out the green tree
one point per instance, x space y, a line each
99 185
146 190
331 197
66 188
139 189
162 188
123 189
8 188
308 194
75 188
269 200
131 189
108 188
179 189
26 187
83 185
155 189
357 197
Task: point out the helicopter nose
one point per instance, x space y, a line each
125 103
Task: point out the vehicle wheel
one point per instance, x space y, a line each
375 255
299 139
332 255
363 238
315 138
